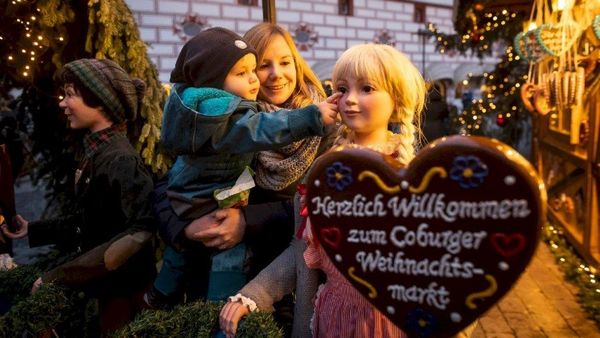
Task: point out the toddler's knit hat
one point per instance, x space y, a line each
121 94
205 59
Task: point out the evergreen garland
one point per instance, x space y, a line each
47 308
576 271
68 312
50 307
197 319
16 283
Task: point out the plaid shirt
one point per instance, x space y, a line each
94 141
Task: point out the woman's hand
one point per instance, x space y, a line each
220 229
329 109
230 316
198 225
22 228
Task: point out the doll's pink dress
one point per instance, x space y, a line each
340 310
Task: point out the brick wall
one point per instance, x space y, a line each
336 33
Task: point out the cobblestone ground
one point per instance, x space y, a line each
541 304
30 204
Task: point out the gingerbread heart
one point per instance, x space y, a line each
440 241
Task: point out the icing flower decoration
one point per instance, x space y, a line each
421 323
339 176
468 171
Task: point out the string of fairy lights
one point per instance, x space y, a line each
23 52
484 28
476 37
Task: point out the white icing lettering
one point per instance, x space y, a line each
358 207
452 241
432 295
367 236
447 266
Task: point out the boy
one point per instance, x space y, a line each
107 234
212 122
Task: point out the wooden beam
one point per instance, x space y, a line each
269 11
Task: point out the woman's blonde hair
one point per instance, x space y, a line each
392 71
308 87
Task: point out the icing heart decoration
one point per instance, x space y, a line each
556 39
433 245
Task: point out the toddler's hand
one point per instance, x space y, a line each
329 109
230 316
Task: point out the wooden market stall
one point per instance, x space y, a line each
563 90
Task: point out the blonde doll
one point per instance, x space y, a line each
379 85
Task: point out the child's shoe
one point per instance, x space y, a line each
156 300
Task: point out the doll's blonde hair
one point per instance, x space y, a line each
389 70
308 86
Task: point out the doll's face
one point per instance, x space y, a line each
79 114
363 106
241 79
277 72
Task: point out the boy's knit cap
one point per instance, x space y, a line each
205 59
119 93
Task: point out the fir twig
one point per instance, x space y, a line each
197 319
576 271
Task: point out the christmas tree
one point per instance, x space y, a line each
481 28
37 38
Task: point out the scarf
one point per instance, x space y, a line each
277 169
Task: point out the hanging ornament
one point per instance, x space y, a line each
305 36
475 37
191 25
478 6
384 37
501 120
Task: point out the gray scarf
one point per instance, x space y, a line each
277 169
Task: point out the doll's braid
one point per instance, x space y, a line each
406 147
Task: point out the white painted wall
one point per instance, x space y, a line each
156 18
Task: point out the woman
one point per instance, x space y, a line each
266 225
279 278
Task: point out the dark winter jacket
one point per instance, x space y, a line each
108 234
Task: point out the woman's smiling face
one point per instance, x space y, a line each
277 72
